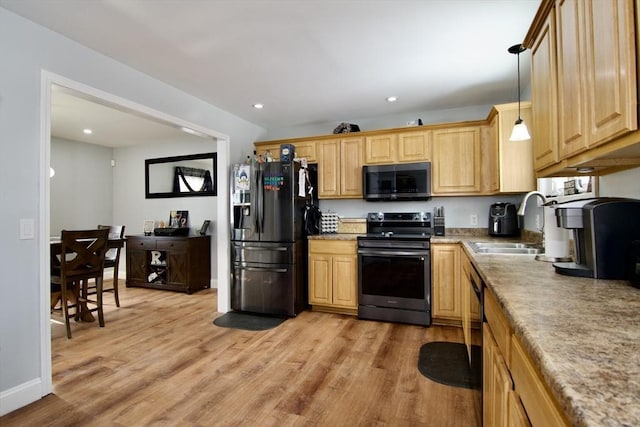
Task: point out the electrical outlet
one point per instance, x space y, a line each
473 219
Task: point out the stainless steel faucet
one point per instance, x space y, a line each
526 198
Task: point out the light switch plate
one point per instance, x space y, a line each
27 229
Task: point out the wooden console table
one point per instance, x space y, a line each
171 263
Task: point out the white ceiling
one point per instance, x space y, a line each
307 61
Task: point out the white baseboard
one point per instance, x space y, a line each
20 396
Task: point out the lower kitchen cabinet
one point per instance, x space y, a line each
169 263
446 298
333 275
513 392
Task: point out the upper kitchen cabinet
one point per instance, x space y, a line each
584 86
398 147
380 149
340 168
304 149
507 165
456 161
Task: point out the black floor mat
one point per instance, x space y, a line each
447 363
248 321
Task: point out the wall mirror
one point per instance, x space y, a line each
181 176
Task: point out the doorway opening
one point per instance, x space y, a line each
123 106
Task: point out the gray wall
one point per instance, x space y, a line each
82 188
130 206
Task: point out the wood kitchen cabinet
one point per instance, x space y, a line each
333 276
169 263
446 297
306 149
340 168
513 392
507 166
584 86
398 147
381 149
456 161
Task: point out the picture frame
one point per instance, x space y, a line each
205 227
147 227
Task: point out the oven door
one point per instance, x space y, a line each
394 278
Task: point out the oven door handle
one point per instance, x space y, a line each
394 253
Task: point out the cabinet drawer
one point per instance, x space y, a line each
146 244
174 245
498 323
346 247
537 401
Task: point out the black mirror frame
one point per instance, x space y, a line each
213 192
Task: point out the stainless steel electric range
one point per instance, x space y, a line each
394 263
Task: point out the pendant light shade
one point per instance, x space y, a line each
520 131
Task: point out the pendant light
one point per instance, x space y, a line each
520 131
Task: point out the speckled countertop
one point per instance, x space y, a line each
583 334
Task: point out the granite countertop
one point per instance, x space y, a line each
583 334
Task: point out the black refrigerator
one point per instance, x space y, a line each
268 238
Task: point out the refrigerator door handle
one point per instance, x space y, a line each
258 210
262 248
274 270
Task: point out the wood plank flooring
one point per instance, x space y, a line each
161 362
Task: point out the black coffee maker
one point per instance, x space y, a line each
604 231
503 220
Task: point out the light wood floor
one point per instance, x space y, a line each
160 361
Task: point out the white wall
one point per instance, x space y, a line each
82 188
28 49
621 184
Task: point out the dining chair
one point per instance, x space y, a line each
112 258
81 258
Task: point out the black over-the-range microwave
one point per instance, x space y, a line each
404 181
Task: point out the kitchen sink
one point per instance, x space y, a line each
506 248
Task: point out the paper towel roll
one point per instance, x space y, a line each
556 239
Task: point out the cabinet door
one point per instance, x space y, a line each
328 169
136 265
515 158
414 146
445 280
380 148
345 281
496 383
320 279
307 150
610 69
350 160
544 95
490 173
456 165
517 414
572 135
177 268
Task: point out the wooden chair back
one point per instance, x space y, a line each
89 247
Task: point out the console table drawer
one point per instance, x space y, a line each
178 245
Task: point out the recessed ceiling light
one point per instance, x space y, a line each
87 131
258 106
392 98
